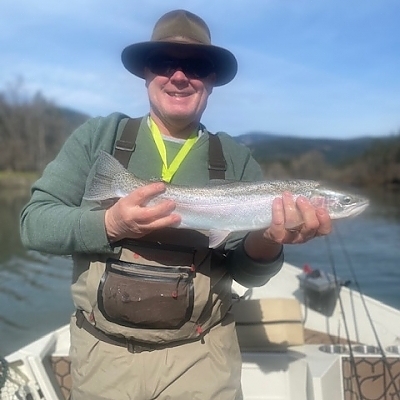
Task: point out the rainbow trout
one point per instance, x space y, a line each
221 207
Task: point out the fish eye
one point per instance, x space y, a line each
347 200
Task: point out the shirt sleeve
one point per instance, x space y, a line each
249 272
56 220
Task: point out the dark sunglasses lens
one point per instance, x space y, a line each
161 66
197 67
194 68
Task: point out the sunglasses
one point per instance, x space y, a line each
193 68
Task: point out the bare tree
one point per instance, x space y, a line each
32 129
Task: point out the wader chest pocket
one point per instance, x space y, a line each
145 296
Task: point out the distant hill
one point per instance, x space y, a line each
269 147
363 161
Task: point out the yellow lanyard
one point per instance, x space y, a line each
169 171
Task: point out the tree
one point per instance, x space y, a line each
32 128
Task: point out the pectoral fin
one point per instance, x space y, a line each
216 238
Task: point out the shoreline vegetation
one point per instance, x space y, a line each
16 180
33 129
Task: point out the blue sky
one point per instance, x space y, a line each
315 68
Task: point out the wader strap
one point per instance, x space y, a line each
83 323
131 346
216 160
125 146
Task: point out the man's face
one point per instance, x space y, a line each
178 87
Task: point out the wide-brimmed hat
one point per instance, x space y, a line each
181 30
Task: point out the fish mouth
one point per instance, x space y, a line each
357 209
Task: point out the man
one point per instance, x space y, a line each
153 301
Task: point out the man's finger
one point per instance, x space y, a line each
142 195
293 217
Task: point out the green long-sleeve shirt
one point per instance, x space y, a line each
57 220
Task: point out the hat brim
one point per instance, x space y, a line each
134 58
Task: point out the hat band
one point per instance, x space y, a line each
180 39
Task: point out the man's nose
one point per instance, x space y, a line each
178 74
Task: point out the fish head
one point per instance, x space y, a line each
339 204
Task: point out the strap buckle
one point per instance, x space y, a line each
133 347
125 145
217 166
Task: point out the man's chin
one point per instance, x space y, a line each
181 117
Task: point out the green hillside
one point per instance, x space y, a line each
267 147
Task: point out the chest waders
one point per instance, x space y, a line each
163 289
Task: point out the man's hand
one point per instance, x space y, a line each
292 222
296 221
131 217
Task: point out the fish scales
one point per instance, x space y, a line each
221 207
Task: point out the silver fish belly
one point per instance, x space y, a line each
220 208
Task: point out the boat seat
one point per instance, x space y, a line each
268 324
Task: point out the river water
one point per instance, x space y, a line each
34 287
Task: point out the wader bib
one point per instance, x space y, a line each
165 287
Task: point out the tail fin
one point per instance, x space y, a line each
99 185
